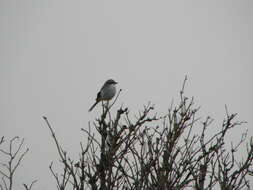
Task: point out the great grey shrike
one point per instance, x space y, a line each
106 93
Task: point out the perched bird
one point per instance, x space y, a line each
107 92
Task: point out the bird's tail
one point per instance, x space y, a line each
93 105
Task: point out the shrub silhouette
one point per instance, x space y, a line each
147 152
156 152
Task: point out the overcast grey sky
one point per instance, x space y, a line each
55 55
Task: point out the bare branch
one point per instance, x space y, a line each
30 186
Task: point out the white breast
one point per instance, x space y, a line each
108 92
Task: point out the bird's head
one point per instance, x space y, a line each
111 81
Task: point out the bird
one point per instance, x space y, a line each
106 93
